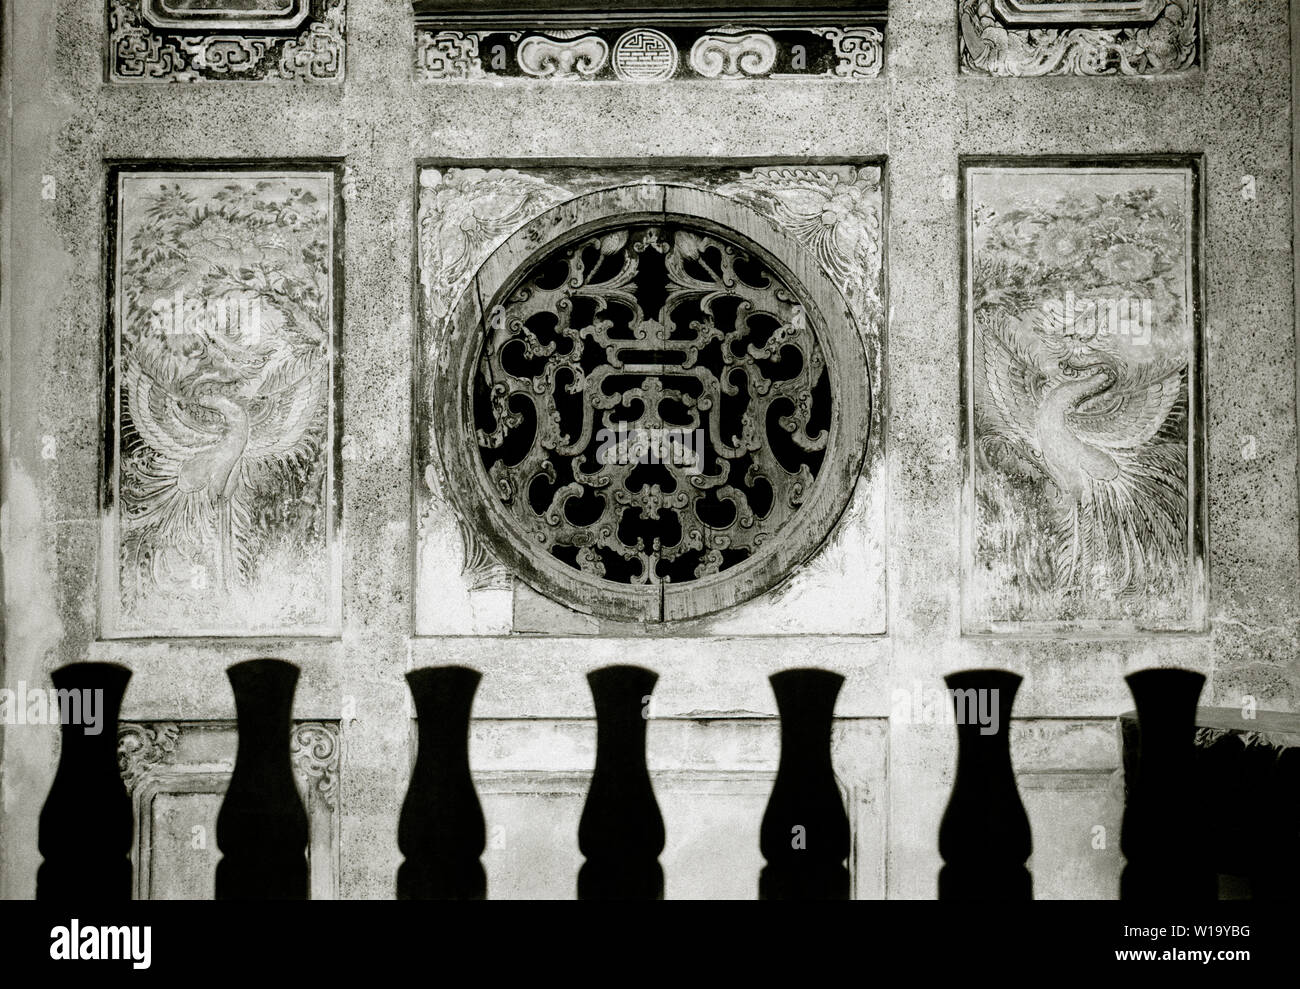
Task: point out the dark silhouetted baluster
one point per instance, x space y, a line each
1159 838
441 830
621 832
984 835
805 831
86 824
1277 875
262 826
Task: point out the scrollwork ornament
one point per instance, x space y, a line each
859 51
311 52
1169 43
733 56
448 55
140 747
556 58
675 390
314 748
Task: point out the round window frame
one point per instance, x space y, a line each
476 498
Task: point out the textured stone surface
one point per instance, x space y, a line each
920 113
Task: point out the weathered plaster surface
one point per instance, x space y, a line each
920 113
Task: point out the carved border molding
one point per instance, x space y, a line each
150 42
141 747
645 53
168 759
1033 38
268 15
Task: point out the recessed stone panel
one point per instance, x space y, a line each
220 507
1084 500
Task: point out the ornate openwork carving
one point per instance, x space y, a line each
652 404
649 412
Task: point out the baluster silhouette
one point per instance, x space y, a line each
440 831
621 832
1158 839
984 836
85 828
1277 876
805 832
262 826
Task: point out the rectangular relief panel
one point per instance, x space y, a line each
221 493
1064 37
532 778
543 535
1083 502
219 40
177 774
655 41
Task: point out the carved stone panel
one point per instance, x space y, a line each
1084 491
221 487
656 42
217 40
712 809
1065 37
583 330
177 774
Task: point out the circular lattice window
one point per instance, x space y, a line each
652 414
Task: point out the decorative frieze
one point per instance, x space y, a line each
221 40
573 41
1062 37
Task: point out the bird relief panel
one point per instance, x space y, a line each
221 476
1082 419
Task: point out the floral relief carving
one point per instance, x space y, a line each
1169 42
1081 396
835 212
221 507
464 214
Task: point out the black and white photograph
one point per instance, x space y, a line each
842 452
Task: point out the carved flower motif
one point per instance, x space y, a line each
1125 263
464 213
1061 243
